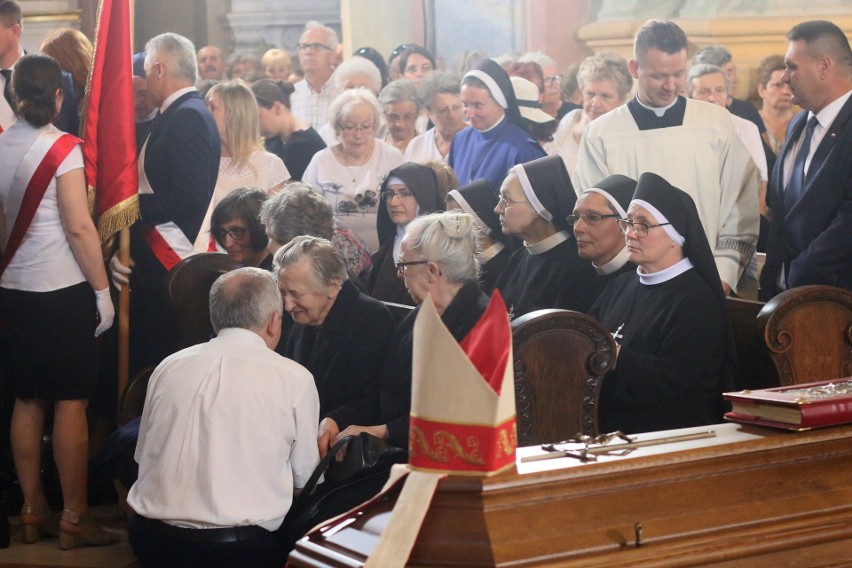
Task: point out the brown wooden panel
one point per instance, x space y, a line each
808 331
775 496
560 358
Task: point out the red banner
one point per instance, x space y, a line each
109 123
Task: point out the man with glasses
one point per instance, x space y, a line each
595 221
318 57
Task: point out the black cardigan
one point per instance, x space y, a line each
346 355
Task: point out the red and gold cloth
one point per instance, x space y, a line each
463 395
109 123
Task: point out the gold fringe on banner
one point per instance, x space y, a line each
117 217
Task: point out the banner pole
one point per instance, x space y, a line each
124 294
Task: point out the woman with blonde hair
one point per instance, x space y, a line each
73 51
244 161
605 83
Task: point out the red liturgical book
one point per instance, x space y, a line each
796 407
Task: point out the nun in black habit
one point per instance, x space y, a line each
676 352
479 200
535 201
595 221
409 191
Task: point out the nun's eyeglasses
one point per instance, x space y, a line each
505 202
589 218
640 229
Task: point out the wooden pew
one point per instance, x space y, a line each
190 281
808 331
398 311
755 369
560 358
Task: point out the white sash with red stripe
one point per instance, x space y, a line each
167 241
27 167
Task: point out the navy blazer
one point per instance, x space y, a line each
182 165
814 238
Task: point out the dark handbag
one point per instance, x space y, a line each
348 483
364 454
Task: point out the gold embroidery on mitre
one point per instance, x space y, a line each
444 446
507 441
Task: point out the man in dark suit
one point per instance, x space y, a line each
178 168
11 22
810 196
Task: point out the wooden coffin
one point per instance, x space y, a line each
749 496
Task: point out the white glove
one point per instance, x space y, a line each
106 311
119 273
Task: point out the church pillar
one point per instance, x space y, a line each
551 27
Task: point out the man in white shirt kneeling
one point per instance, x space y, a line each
228 431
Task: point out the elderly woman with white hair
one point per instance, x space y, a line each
605 83
353 73
439 95
339 334
401 108
349 174
437 259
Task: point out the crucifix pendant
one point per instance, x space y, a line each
617 335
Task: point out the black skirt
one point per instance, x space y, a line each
51 342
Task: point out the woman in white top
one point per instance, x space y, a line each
439 94
350 174
605 82
244 162
53 292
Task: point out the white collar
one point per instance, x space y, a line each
239 334
175 96
490 252
613 265
659 111
397 241
493 126
548 243
666 274
826 116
